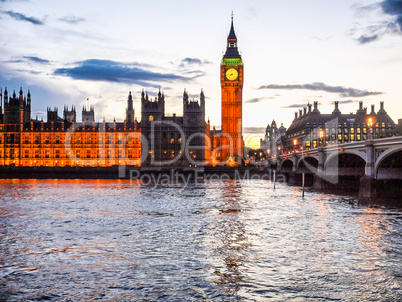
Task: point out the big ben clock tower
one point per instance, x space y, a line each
232 97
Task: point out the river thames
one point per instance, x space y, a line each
116 240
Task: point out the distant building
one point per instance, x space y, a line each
335 128
63 141
274 139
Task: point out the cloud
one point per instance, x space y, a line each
36 60
257 100
254 130
305 104
21 17
322 38
24 59
393 8
378 30
191 61
72 19
318 86
367 39
295 106
112 71
186 62
346 102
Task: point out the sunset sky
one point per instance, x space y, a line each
294 52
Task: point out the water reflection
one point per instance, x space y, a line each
227 239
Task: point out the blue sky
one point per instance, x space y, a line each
294 52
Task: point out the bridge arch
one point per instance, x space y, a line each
287 165
345 163
307 164
336 154
389 164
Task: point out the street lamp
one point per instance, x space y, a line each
295 143
321 133
371 120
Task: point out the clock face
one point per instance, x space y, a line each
231 74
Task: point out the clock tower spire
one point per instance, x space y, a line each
232 99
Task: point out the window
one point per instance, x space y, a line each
26 153
57 154
26 139
57 139
88 153
47 153
37 154
151 118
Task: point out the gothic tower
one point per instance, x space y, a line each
88 115
17 110
130 109
232 95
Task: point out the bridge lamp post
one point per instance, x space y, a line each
295 143
321 133
370 123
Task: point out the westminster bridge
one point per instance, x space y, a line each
372 167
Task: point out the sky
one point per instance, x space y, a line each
294 52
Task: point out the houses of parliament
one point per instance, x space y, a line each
163 140
157 140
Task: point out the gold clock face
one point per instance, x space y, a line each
231 74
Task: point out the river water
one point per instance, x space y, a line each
116 240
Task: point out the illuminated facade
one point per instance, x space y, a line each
335 128
183 141
232 100
63 141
